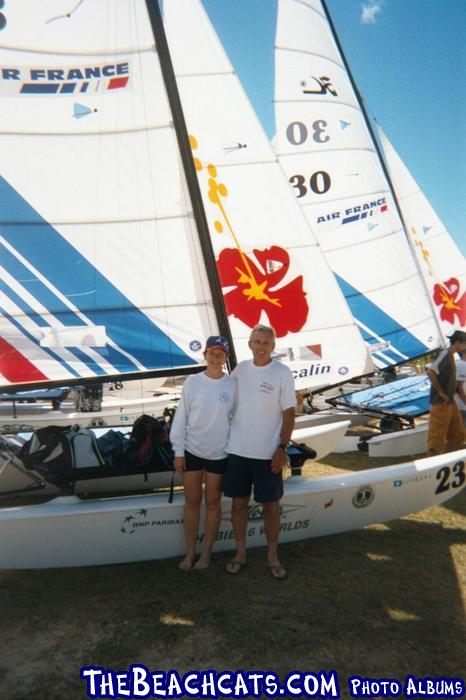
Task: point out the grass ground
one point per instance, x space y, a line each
386 601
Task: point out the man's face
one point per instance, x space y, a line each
262 345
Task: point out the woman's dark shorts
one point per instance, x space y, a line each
213 466
243 473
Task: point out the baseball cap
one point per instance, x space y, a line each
457 335
217 341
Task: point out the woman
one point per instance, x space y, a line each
199 436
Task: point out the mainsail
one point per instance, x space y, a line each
440 260
101 269
270 265
326 149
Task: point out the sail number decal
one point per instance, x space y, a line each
297 133
319 183
447 480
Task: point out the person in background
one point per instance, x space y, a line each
460 396
261 428
199 435
445 424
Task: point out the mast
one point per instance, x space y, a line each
381 160
200 218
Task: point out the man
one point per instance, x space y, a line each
445 423
460 396
261 428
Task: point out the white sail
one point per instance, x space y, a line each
101 270
270 265
440 260
328 154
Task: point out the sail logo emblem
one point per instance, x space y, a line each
356 213
253 282
451 301
64 80
324 86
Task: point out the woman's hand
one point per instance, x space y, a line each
179 464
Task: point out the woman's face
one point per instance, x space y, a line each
216 357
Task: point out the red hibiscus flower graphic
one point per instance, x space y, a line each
447 295
255 289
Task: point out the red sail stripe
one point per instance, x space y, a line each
15 367
115 83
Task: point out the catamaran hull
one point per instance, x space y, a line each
321 438
114 412
412 441
68 532
331 416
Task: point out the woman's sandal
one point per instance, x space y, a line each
234 566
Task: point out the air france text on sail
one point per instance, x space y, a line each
43 80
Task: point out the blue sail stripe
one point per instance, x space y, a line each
88 361
37 289
22 304
60 311
387 355
381 324
125 324
28 335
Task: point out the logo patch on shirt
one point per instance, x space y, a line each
224 397
266 387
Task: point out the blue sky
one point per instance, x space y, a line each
408 59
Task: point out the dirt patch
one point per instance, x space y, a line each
386 601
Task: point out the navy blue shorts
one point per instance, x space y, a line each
195 464
243 473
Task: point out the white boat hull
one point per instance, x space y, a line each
412 441
322 438
69 532
114 412
331 416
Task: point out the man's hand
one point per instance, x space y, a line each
445 398
279 460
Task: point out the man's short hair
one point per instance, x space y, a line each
262 329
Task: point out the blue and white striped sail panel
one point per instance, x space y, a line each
101 269
330 158
388 342
406 397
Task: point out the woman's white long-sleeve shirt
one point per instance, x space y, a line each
202 419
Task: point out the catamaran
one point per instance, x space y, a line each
153 213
